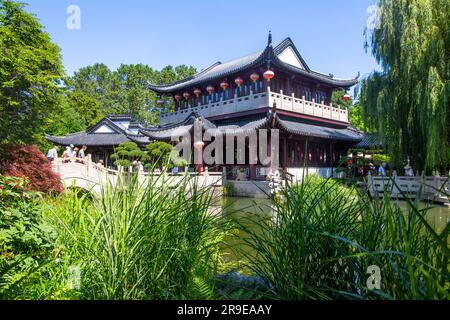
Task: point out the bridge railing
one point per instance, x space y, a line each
73 168
430 188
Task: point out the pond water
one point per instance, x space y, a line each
242 208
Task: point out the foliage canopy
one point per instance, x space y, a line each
30 74
407 103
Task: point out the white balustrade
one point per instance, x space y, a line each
260 100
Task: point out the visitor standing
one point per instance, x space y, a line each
382 170
100 165
82 152
52 154
67 154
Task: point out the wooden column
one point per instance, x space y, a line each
331 158
306 153
285 154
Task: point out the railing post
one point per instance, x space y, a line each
293 98
396 186
224 174
370 183
303 104
88 164
437 183
281 99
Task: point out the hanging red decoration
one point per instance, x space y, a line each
178 97
268 75
186 95
197 92
239 81
210 89
254 77
224 85
346 97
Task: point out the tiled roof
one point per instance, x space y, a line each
298 128
310 130
368 141
90 137
219 70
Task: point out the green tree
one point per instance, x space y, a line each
85 106
337 101
356 117
159 153
30 74
91 90
136 99
407 103
68 120
127 152
96 91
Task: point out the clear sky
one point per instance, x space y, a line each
328 33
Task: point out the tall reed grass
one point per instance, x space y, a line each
324 236
137 241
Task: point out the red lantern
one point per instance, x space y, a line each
268 75
254 77
186 95
346 97
224 85
178 97
210 89
239 81
197 92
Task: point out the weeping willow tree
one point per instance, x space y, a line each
407 103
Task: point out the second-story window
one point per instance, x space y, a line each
320 96
307 94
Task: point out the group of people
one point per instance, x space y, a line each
71 152
382 170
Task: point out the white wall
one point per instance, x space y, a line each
322 172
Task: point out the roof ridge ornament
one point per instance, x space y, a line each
270 50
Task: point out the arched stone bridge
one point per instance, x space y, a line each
89 176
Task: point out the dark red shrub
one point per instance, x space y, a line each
30 163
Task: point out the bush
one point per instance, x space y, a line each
126 153
25 243
140 242
28 162
379 158
159 153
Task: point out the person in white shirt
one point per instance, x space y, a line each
382 170
52 154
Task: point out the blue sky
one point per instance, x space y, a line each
328 33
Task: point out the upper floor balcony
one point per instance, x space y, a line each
253 101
